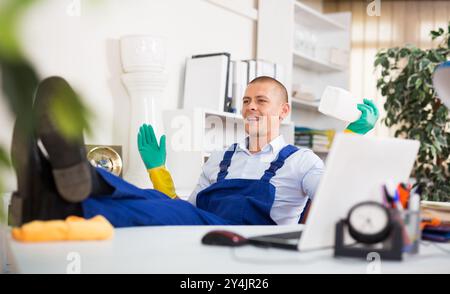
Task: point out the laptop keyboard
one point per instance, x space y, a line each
289 235
283 240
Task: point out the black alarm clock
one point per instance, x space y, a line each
369 222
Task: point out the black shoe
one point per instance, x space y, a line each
23 158
36 197
70 167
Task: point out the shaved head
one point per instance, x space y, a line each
280 88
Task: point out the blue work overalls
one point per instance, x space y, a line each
226 202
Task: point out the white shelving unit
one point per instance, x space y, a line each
297 103
280 22
193 134
314 19
313 64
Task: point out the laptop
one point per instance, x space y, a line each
356 168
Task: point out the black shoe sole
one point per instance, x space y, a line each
36 197
68 159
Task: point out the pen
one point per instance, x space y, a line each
397 201
388 197
404 193
392 194
384 197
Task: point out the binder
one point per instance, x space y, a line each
206 81
239 84
265 68
229 99
259 67
279 73
251 70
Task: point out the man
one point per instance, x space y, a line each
261 181
265 105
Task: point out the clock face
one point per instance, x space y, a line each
106 158
368 219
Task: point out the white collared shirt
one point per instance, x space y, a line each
297 180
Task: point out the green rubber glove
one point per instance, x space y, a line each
152 154
367 120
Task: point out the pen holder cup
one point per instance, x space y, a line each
410 223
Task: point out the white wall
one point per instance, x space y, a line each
84 49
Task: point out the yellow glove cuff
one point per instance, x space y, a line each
162 181
348 131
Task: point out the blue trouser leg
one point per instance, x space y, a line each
130 206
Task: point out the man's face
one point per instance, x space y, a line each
263 109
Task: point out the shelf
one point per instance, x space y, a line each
305 104
314 64
321 152
315 20
315 151
233 115
224 114
237 7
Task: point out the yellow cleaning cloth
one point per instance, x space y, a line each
74 228
162 181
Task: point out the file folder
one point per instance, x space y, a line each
206 81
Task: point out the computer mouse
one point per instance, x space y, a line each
223 238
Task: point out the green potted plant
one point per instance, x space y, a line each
415 112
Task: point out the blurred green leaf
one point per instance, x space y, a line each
10 13
418 83
4 158
19 81
4 163
69 114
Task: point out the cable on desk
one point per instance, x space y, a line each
435 245
285 261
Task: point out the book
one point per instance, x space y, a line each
435 237
265 68
239 84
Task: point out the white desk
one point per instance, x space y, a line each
178 250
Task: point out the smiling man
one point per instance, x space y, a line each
259 181
281 176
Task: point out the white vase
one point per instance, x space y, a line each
145 91
143 53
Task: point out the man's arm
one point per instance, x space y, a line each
310 183
369 116
154 158
311 179
162 181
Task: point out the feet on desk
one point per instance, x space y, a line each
67 157
48 188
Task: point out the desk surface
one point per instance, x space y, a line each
178 250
